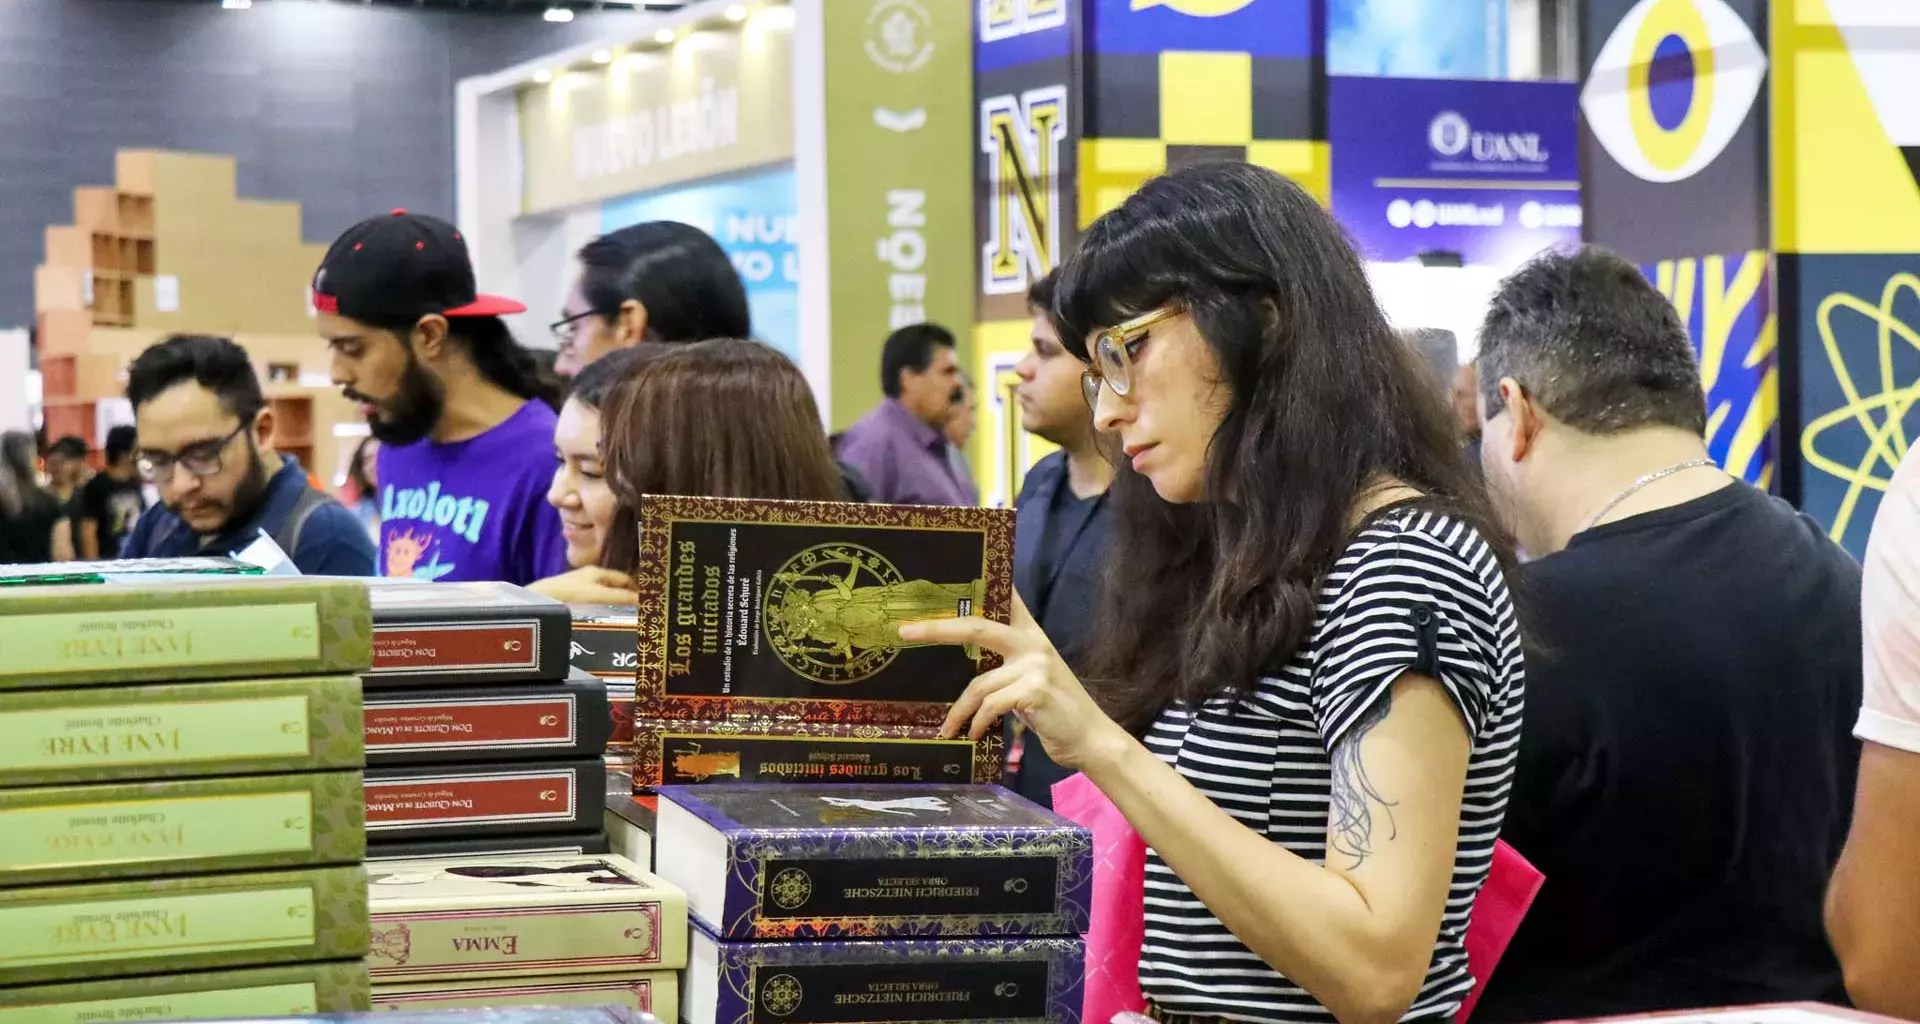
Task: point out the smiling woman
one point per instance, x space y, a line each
1309 670
586 504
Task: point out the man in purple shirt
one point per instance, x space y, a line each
464 419
901 447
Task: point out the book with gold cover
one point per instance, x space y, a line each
652 992
478 632
678 753
329 987
180 826
883 981
225 628
518 916
200 922
768 861
95 734
791 610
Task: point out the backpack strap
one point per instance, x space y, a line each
288 535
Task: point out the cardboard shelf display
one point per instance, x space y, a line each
170 248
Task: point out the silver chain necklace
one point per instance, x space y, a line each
1634 488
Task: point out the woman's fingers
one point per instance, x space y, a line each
975 694
997 637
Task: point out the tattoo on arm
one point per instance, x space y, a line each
1351 825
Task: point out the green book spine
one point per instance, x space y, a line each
233 628
154 926
312 723
297 990
179 827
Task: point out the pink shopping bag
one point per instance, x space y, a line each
1118 926
1511 885
1119 892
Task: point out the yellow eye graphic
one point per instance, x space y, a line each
1672 85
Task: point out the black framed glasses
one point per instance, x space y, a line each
1111 355
201 459
565 328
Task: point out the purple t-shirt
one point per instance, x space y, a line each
474 509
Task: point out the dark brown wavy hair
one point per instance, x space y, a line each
1202 599
713 419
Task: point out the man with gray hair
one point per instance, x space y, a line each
1688 760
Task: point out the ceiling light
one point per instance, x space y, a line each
543 76
738 12
558 14
236 5
664 36
602 57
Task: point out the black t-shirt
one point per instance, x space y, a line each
115 505
1687 772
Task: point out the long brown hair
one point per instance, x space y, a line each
1202 599
715 419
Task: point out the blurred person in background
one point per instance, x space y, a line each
726 419
1873 905
67 469
659 281
901 449
1684 774
29 513
1466 408
204 440
1061 539
363 485
580 491
109 504
962 419
462 413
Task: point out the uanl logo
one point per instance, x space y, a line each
1451 136
1022 138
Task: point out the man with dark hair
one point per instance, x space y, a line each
1061 539
463 416
204 430
67 469
1684 777
900 448
658 281
111 502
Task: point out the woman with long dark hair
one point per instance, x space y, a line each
718 419
1308 666
28 511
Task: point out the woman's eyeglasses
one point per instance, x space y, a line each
565 329
1112 356
202 459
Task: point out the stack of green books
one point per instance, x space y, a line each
182 818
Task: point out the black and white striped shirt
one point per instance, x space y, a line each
1413 589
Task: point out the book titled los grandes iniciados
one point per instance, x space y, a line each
778 862
792 610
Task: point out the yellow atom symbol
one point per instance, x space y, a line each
1880 416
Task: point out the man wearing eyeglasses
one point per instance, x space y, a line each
203 429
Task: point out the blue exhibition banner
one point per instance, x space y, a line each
1455 39
754 218
1485 170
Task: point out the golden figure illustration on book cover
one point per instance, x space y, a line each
792 610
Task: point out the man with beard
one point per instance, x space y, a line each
1061 537
461 411
203 430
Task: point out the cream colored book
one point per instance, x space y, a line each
521 916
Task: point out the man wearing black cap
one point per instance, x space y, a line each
461 411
